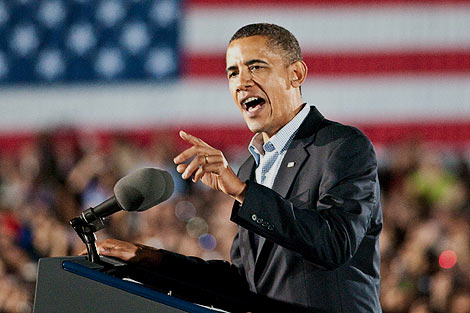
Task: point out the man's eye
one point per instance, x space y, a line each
254 67
232 74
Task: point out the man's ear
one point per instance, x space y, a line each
298 73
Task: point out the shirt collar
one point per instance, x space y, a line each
280 140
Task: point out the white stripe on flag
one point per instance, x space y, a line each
208 102
339 29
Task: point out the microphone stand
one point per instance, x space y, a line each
86 232
85 226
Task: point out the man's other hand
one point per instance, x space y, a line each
129 252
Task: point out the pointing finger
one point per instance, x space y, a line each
192 139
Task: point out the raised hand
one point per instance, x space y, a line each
210 166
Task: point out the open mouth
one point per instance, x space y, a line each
251 104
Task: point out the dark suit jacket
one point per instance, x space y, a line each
321 220
320 225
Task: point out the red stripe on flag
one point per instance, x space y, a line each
336 64
446 133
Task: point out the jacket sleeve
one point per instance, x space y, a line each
328 232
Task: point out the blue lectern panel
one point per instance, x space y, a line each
74 285
131 287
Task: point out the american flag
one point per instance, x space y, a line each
394 68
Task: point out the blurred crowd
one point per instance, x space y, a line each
425 244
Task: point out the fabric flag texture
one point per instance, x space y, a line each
392 67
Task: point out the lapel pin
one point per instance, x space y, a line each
291 164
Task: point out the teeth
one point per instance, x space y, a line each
250 103
250 99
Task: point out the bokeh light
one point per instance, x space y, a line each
196 227
185 210
207 242
447 259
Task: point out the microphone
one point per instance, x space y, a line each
137 191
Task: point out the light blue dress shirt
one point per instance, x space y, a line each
269 155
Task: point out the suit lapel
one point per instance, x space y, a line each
293 161
285 177
290 166
296 154
247 170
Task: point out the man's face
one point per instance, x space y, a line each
260 84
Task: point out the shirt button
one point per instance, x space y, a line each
259 221
270 227
254 217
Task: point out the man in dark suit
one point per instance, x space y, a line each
306 202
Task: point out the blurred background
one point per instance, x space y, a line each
93 89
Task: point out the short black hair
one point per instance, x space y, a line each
278 37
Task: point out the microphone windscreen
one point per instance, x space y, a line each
143 189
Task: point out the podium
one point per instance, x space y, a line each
75 285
